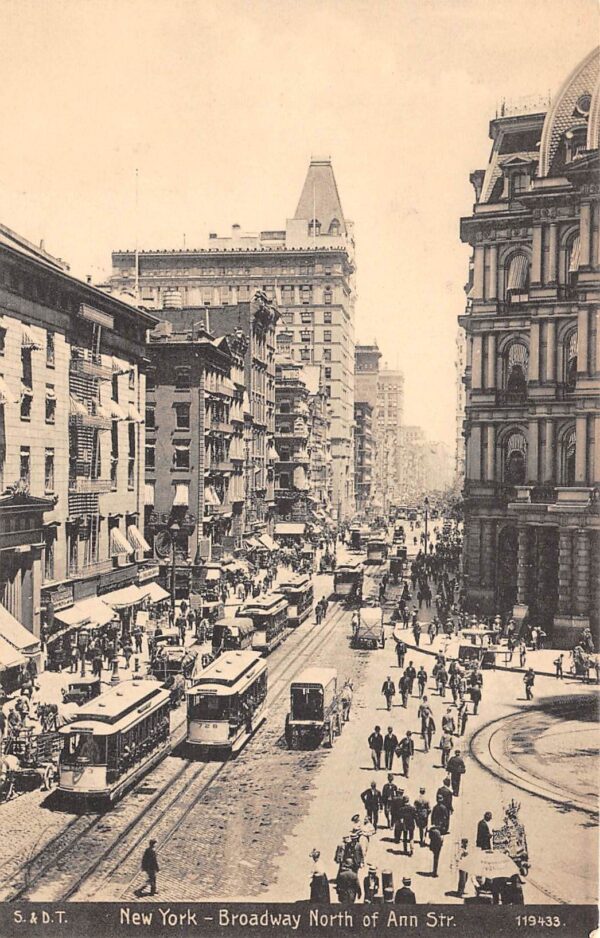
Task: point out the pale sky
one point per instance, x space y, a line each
220 106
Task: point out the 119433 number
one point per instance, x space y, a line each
539 921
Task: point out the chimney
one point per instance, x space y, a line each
212 235
88 278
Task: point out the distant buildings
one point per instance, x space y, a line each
366 442
307 268
389 414
532 325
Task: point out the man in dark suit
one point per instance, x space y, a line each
371 798
405 895
390 743
484 833
456 769
406 748
435 845
446 793
150 866
388 793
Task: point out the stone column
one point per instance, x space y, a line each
565 571
596 472
490 378
523 561
582 341
550 350
490 454
532 452
585 232
477 363
536 260
474 453
478 273
552 252
534 351
492 293
548 475
581 449
487 553
582 572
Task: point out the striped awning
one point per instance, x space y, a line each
119 369
119 545
116 412
126 596
134 414
211 497
272 454
574 255
517 274
77 407
6 395
10 657
28 339
182 495
149 493
137 539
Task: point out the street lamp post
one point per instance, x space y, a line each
426 518
174 530
84 637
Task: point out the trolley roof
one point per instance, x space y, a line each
229 674
237 625
354 566
297 582
118 708
263 604
320 676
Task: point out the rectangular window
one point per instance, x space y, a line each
50 404
328 372
49 472
150 418
181 455
26 370
150 380
49 559
305 354
305 336
328 390
25 465
50 350
114 454
326 354
287 295
327 316
327 297
132 379
115 387
305 295
327 335
306 316
2 341
150 456
26 401
207 296
182 379
131 458
182 416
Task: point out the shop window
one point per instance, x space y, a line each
49 472
50 350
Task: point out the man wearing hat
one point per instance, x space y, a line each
456 768
422 810
371 798
405 895
150 867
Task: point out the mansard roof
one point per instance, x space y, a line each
320 198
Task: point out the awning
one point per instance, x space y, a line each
182 495
252 543
116 411
574 255
134 414
211 497
16 634
156 594
77 407
92 612
517 274
212 575
272 454
28 339
137 539
119 545
6 395
268 542
120 369
149 493
9 656
300 479
128 596
292 529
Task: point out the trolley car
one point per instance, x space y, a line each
377 550
270 617
348 580
299 593
114 739
233 634
227 701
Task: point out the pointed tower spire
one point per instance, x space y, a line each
320 199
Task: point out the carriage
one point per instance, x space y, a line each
30 758
369 631
82 689
315 709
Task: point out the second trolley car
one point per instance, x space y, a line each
348 580
114 739
299 593
232 634
377 550
270 617
227 701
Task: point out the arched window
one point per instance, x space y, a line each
334 227
573 250
515 458
517 277
515 370
314 227
568 458
571 360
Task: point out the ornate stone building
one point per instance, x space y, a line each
532 324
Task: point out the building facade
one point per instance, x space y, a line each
459 410
388 424
72 366
364 455
366 380
532 325
306 268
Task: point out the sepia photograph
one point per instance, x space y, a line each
299 468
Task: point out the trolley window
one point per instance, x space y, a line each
209 707
84 749
307 703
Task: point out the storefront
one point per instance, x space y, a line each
17 647
126 602
290 533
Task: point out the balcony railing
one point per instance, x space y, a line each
86 362
82 485
216 465
99 421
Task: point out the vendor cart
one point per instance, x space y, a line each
369 630
315 709
37 760
480 649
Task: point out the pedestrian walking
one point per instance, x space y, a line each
412 676
456 769
417 633
388 690
371 798
436 842
150 867
421 681
347 695
446 793
347 886
403 686
522 653
406 750
528 681
462 854
484 833
388 793
376 745
558 664
405 895
74 659
408 816
422 812
446 747
441 679
400 653
475 694
137 638
448 723
463 716
428 732
319 883
440 816
390 744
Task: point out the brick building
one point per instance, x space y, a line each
532 324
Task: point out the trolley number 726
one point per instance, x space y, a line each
539 921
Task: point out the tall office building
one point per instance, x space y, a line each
306 267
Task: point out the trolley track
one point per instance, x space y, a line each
83 839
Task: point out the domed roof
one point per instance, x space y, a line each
575 108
